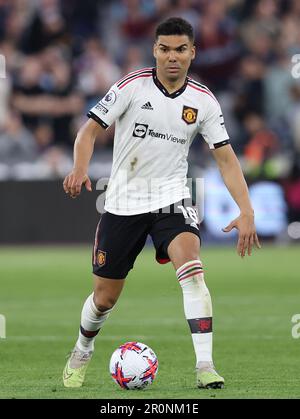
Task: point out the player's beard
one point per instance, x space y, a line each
174 78
179 74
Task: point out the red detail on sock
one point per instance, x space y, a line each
205 325
193 273
189 267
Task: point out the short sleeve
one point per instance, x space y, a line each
212 128
110 107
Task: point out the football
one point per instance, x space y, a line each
133 366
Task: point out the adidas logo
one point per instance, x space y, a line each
147 106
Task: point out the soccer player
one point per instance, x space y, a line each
158 111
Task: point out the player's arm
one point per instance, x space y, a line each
83 150
101 116
234 180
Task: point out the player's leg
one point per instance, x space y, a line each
95 312
118 241
184 252
183 248
97 309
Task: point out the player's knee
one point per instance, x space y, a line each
184 255
104 301
189 256
106 293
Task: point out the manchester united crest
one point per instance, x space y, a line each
101 258
189 115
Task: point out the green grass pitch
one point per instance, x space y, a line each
42 291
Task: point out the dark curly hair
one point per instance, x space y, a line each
175 26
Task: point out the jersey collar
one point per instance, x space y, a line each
164 90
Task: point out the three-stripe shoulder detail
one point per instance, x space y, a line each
145 72
200 87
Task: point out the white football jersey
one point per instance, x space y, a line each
153 133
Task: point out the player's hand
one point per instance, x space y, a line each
74 181
247 233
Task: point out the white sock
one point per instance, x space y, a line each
197 308
91 322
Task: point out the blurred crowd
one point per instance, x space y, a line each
61 56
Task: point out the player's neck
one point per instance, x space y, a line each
171 85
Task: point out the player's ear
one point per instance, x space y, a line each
193 52
154 49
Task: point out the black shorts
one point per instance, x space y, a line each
120 238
